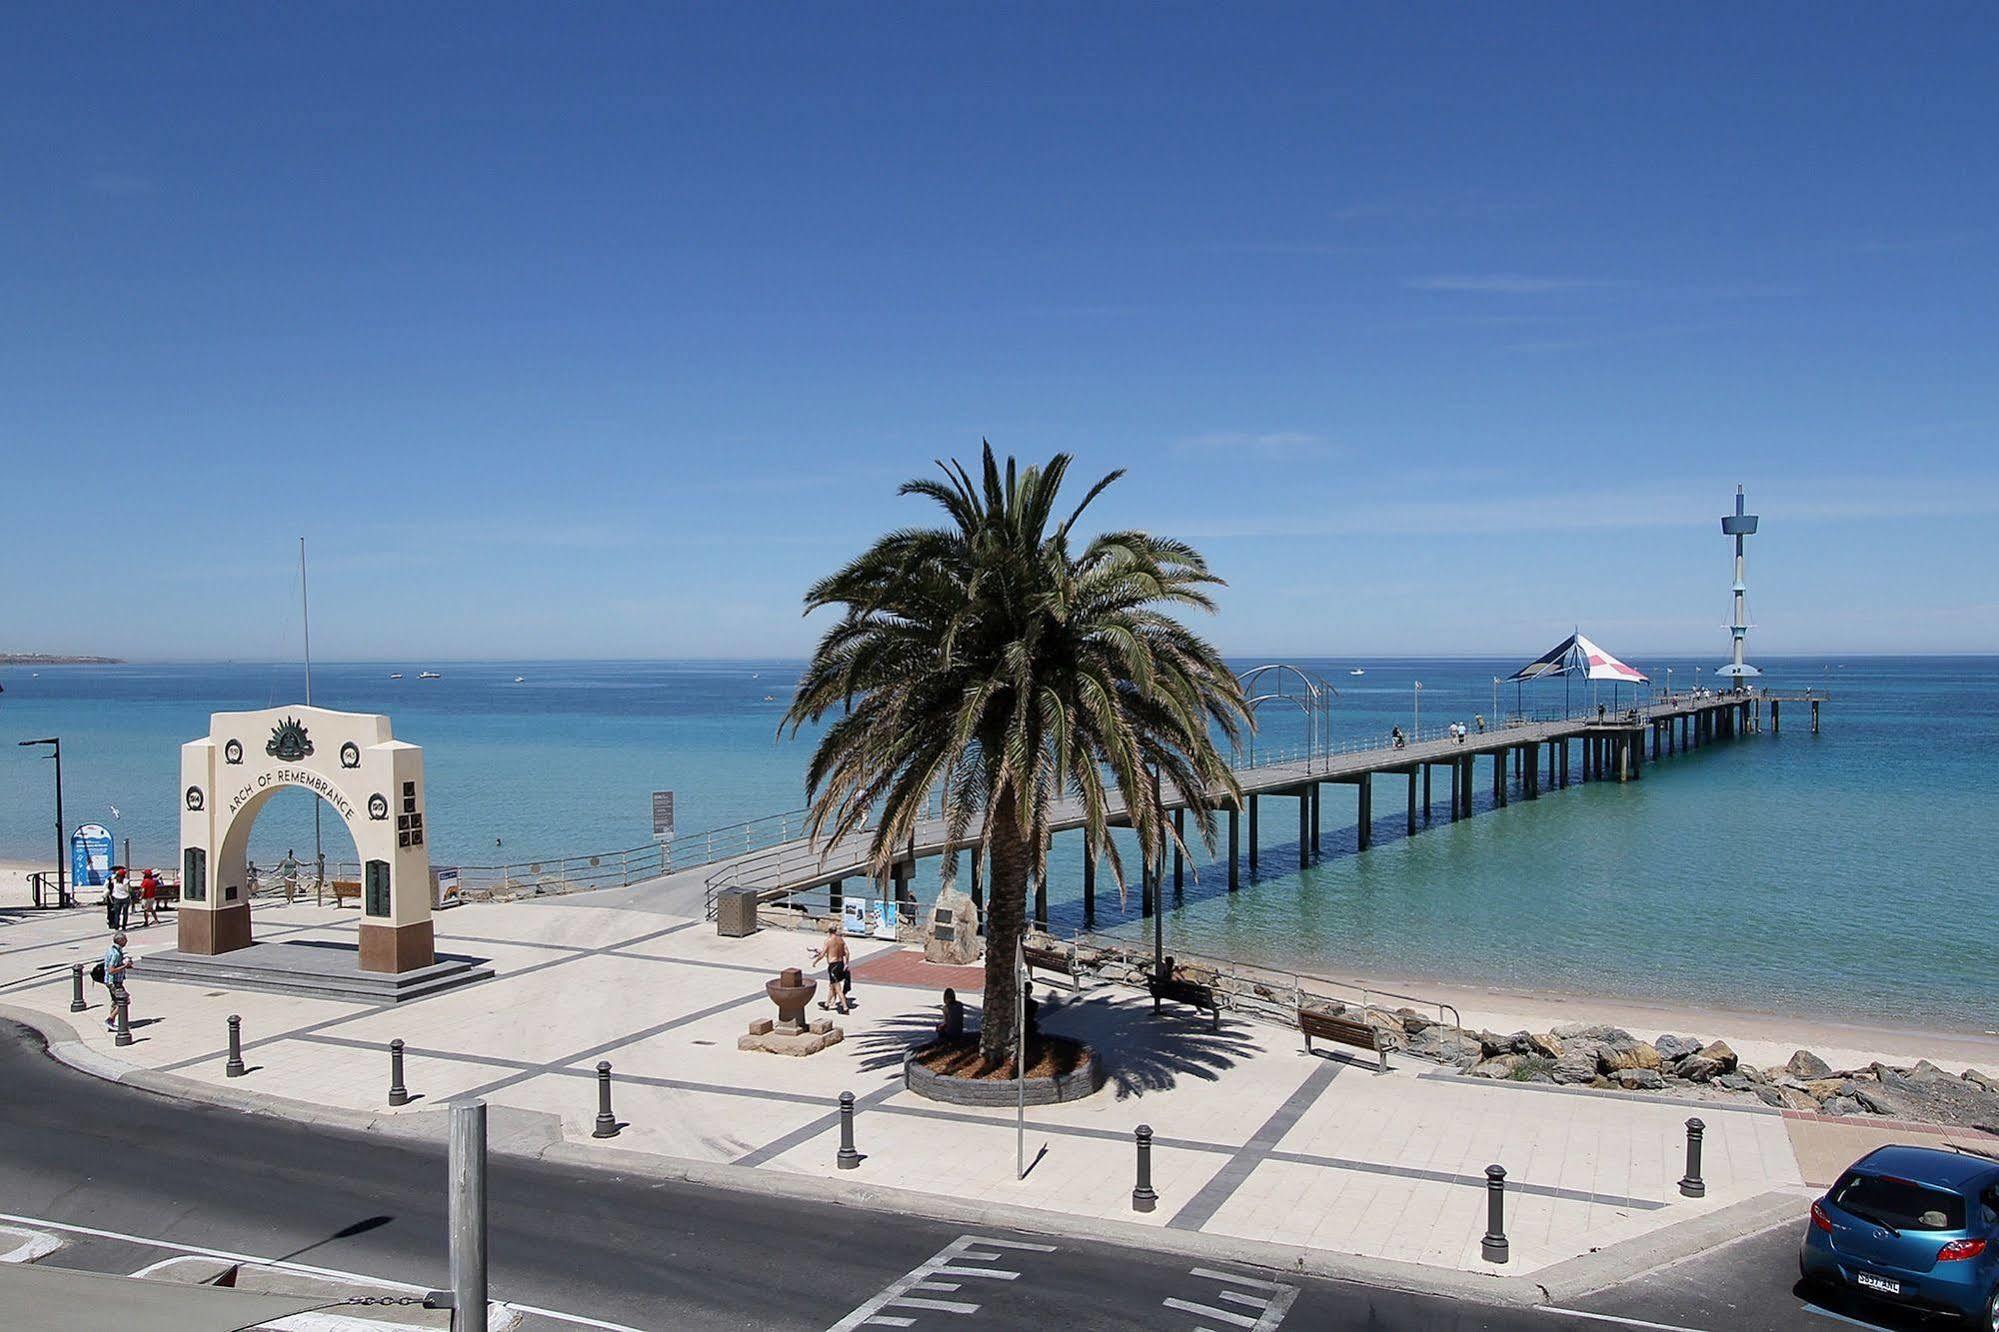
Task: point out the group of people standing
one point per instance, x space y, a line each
118 895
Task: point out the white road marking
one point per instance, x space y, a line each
1620 1321
1274 1306
1232 1279
331 1273
949 1261
30 1245
1209 1311
1842 1318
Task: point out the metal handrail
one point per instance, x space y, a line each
1244 980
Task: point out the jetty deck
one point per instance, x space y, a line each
1525 757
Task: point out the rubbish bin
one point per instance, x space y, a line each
736 912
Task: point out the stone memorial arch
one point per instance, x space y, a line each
347 759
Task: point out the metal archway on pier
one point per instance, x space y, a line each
1312 694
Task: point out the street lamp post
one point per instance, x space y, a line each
55 742
1419 712
1495 700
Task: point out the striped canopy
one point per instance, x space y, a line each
1576 655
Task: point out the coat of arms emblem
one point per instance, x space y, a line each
289 741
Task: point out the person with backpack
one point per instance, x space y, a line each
110 972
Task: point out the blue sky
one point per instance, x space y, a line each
601 330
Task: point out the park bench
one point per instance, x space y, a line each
343 889
1056 957
1359 1034
1195 994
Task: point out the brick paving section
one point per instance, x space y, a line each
907 967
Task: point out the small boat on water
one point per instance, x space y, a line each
1356 671
520 679
428 675
395 675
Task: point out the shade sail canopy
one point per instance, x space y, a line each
1576 655
55 1299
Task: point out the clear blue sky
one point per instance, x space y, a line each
600 330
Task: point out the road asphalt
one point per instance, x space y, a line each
160 1176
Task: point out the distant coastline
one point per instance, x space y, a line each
55 659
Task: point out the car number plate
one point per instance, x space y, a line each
1871 1282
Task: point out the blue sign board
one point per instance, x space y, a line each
90 850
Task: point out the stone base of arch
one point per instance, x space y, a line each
220 931
398 947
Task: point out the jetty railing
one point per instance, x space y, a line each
625 865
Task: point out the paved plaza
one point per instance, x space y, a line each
1256 1140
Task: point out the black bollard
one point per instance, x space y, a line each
848 1158
1494 1248
398 1094
234 1068
1143 1199
607 1123
1692 1186
76 1004
122 1002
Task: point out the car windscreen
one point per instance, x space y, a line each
1901 1203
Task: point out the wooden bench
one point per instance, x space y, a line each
1360 1035
1060 959
1191 993
343 889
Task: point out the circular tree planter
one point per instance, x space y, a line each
1065 1071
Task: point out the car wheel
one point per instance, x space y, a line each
1992 1311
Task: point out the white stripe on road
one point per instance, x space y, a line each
1274 1308
1234 1280
948 1261
33 1245
331 1273
1620 1321
1209 1311
1842 1318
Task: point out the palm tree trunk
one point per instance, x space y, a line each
1006 920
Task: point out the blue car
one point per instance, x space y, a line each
1912 1226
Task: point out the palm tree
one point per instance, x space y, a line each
987 663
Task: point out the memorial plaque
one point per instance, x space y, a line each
375 888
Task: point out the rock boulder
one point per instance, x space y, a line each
1807 1067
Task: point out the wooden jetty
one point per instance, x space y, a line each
1525 758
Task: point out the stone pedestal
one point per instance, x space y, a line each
953 933
765 1036
790 1033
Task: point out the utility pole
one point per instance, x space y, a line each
468 1216
62 850
305 617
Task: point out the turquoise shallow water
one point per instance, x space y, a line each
1847 874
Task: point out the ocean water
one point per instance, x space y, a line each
1848 874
